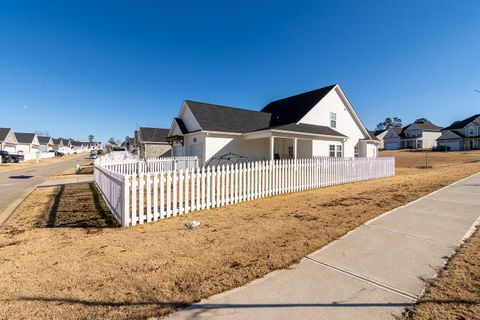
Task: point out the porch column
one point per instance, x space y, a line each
295 148
271 145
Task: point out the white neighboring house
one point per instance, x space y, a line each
321 122
462 135
391 139
46 143
8 141
28 145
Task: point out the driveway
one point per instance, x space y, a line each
373 272
15 185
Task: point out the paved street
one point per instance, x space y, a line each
16 184
373 272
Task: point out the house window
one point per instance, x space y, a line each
356 151
290 151
472 131
332 151
339 151
333 120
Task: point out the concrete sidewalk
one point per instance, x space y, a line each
373 272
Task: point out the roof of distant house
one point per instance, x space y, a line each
3 133
24 137
153 134
461 124
43 139
423 125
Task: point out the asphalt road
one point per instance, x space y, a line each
15 185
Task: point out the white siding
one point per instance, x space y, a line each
321 148
430 139
346 125
190 122
254 150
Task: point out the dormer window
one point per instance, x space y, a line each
333 120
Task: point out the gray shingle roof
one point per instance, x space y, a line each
309 128
422 125
181 125
449 135
43 139
212 117
153 134
292 109
463 123
3 133
24 137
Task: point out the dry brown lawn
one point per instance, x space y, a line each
61 257
455 294
41 162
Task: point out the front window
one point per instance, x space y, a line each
290 151
333 120
339 151
472 132
356 152
332 151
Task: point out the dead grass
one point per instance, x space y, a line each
82 268
41 162
455 293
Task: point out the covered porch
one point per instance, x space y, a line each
282 145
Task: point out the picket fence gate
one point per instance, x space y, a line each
146 197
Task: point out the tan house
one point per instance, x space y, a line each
152 142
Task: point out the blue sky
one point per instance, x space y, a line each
106 67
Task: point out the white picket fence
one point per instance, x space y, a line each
146 197
136 166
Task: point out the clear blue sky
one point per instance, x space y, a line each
105 67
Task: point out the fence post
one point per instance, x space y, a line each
125 201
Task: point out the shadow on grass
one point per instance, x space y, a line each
79 205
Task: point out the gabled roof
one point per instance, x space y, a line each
153 134
449 135
308 128
212 117
373 136
44 139
76 143
181 125
422 125
4 133
24 137
294 108
56 141
463 123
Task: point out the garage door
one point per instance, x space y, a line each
454 145
10 149
391 146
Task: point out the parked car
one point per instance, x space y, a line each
4 157
441 148
59 153
16 157
93 154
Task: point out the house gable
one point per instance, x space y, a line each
188 118
7 136
347 121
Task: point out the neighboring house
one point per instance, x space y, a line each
379 134
392 138
76 146
152 142
462 135
321 122
46 143
420 134
27 144
8 141
58 144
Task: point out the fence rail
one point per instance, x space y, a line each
136 166
150 196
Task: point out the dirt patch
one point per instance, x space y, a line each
87 272
455 293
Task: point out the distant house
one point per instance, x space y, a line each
152 142
8 141
379 134
462 135
46 143
76 146
57 144
419 134
321 122
28 144
391 138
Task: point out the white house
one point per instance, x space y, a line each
321 122
8 141
46 143
27 144
462 135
